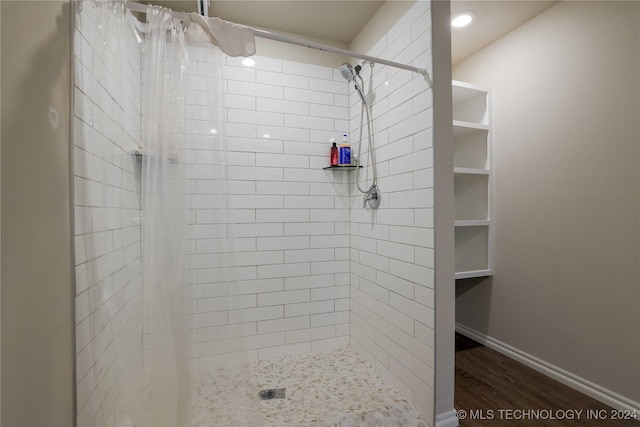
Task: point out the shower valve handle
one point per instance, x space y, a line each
372 197
366 198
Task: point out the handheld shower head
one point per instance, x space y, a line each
349 75
372 195
347 72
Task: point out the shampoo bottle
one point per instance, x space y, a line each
345 152
334 153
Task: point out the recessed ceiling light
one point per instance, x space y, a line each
248 62
462 18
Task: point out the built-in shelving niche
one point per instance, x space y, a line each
472 181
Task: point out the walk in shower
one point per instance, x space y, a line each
216 256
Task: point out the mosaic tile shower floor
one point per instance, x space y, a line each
333 389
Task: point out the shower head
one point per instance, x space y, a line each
347 72
349 75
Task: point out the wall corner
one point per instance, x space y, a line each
443 217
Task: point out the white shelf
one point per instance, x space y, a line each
470 103
472 222
472 274
471 171
470 142
472 181
471 196
471 248
461 128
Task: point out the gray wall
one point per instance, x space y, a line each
566 110
37 293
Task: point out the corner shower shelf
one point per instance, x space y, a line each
472 181
138 155
343 168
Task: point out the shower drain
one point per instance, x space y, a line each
271 393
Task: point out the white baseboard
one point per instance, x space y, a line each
580 384
447 419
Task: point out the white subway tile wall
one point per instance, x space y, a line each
107 211
290 217
392 312
315 269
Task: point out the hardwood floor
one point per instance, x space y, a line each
494 390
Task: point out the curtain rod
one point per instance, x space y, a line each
138 7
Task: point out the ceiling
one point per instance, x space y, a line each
335 21
493 20
338 21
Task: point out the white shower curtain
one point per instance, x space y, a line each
157 386
145 355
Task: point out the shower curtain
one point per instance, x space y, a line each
157 381
159 388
